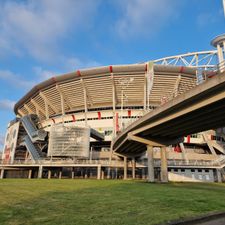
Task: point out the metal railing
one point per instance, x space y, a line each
115 163
171 163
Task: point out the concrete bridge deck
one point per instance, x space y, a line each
200 109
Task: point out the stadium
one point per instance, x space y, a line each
65 126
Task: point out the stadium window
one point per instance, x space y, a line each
206 171
182 170
199 170
192 170
175 170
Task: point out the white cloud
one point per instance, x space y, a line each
74 63
6 104
145 17
37 27
69 65
42 74
15 80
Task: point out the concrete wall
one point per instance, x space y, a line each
191 175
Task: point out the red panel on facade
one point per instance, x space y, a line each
110 69
188 138
177 148
99 115
74 118
78 73
146 67
181 69
129 112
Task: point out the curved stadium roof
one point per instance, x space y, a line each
98 85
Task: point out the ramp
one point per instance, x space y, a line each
31 148
96 135
31 129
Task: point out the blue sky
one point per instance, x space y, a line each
43 38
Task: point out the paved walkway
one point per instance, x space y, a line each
220 221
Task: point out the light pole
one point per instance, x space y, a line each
124 82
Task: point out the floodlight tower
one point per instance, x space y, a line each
224 6
219 43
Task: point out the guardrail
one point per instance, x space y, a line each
116 163
171 163
63 162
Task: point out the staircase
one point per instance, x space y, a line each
33 136
31 148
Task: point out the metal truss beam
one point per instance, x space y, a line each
203 59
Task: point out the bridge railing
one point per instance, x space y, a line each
195 163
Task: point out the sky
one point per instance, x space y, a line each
43 38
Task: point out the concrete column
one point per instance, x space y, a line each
2 173
133 168
49 174
40 170
29 174
102 175
220 53
219 177
164 169
72 175
151 176
143 173
60 174
99 172
125 168
108 172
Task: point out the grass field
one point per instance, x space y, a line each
108 202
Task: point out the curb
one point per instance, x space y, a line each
196 220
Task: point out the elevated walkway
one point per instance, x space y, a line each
33 135
31 129
31 148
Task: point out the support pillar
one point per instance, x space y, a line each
99 172
108 172
40 170
219 177
151 176
102 175
125 168
2 173
72 175
29 174
164 169
49 174
143 173
60 174
133 168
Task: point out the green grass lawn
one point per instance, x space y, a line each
104 202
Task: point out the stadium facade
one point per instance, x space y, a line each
65 125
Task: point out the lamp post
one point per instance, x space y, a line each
124 82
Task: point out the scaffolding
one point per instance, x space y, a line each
69 141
